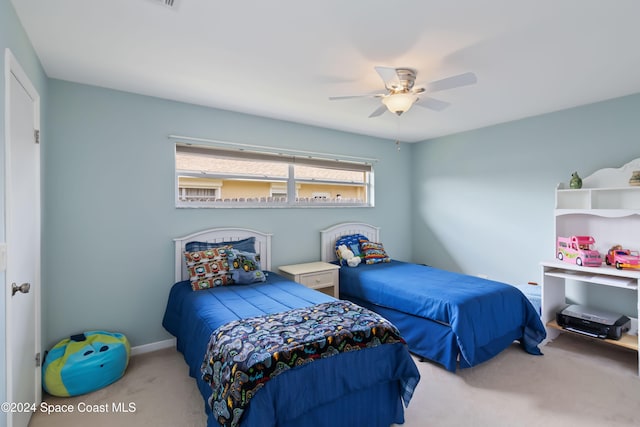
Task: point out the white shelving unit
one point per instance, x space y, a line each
608 209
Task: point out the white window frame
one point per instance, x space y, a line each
292 158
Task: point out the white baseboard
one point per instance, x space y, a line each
154 346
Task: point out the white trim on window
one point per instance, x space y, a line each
250 178
189 140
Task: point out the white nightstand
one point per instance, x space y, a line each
320 276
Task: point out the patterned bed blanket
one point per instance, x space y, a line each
244 354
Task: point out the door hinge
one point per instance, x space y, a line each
38 360
36 136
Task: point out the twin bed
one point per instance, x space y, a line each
448 318
353 388
452 319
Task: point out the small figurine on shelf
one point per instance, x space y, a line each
576 181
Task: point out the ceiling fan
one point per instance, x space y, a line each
401 93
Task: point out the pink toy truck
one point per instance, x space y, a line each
577 250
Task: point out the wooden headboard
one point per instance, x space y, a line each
329 236
214 235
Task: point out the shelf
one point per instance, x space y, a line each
606 213
600 279
605 275
599 189
626 341
622 198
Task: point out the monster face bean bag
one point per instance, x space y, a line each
85 362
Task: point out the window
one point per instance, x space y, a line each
209 176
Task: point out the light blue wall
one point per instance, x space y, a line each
483 200
12 36
110 216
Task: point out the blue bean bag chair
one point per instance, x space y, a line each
85 362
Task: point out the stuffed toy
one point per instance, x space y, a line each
347 255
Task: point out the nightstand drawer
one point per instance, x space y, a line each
318 280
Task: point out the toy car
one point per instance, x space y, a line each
622 258
578 250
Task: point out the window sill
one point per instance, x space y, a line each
249 205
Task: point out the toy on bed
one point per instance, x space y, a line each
348 255
353 246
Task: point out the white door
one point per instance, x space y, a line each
22 228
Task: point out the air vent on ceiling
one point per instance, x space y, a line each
172 4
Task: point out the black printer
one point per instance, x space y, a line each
593 322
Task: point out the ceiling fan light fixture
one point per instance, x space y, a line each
399 103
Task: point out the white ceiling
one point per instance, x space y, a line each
284 58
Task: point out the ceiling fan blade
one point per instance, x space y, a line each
338 98
388 75
432 103
366 95
381 109
452 82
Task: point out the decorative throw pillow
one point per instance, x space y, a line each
245 267
373 252
207 255
209 268
245 245
352 242
212 282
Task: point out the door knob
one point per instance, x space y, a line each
24 288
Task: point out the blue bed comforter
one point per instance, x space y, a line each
192 317
485 316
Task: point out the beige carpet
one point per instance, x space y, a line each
576 383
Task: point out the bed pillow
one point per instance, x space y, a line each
373 252
245 245
212 282
353 243
207 255
245 267
209 268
